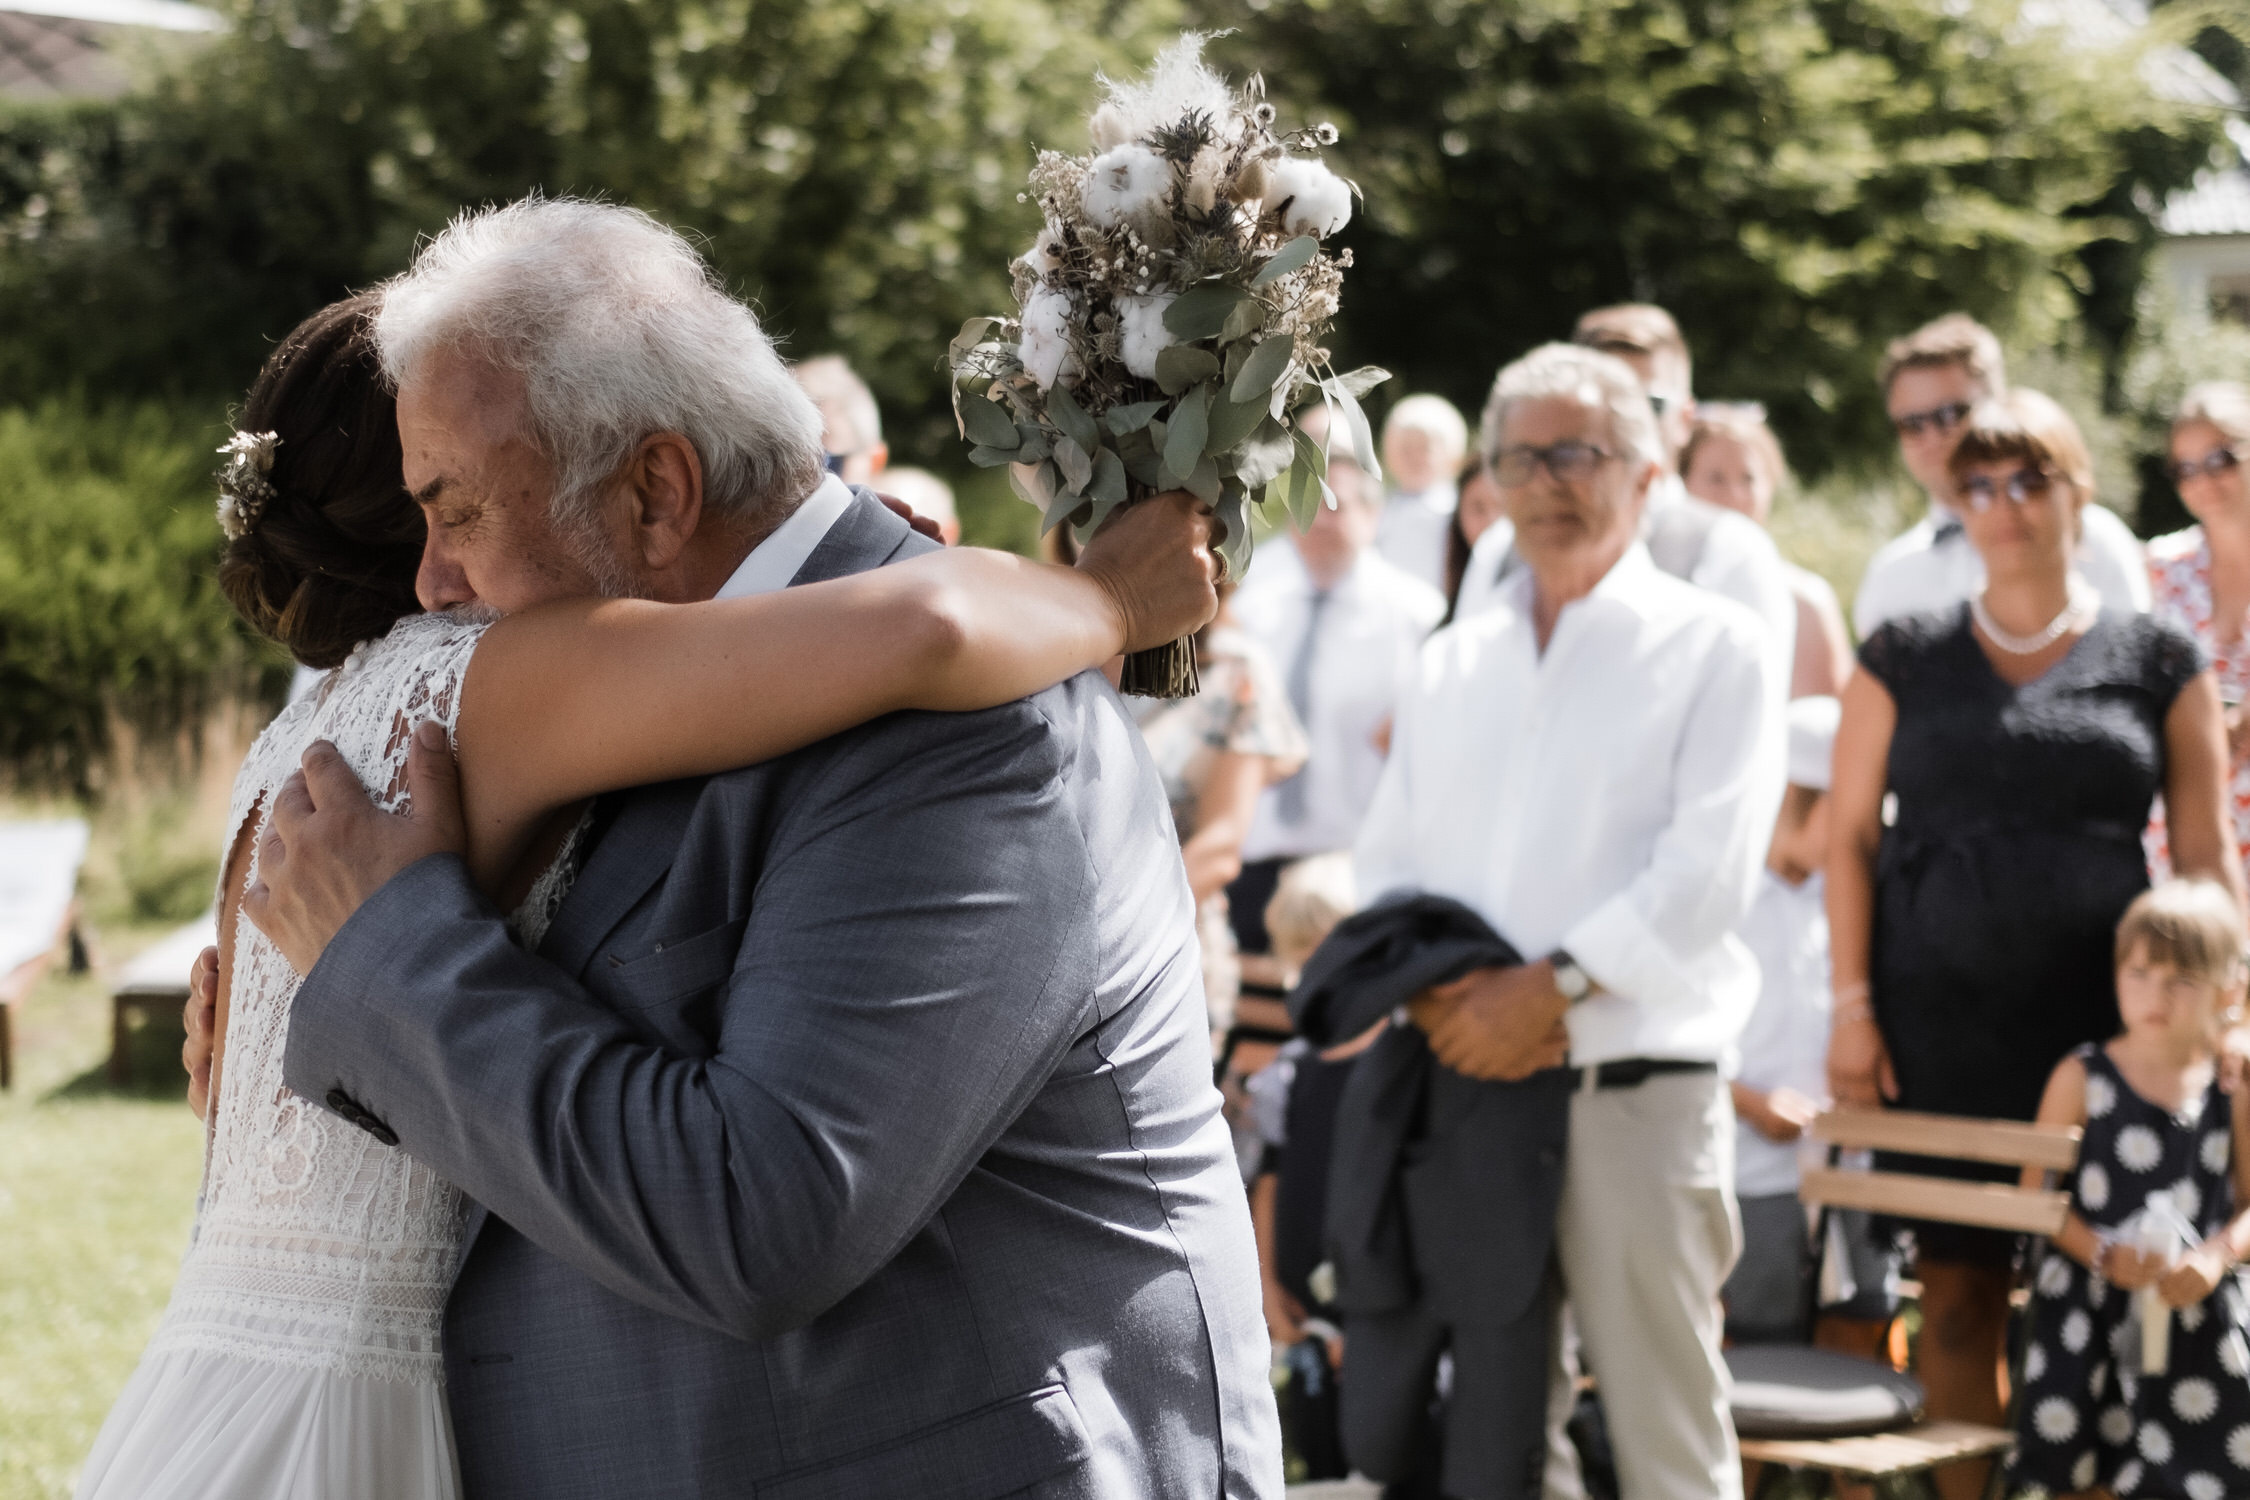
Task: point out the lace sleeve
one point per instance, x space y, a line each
413 674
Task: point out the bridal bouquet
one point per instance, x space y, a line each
1169 324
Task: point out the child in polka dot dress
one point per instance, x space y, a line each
2090 1421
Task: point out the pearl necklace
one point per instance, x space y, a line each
2080 608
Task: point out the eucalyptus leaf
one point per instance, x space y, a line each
1071 419
1234 541
1190 425
1182 366
990 427
1266 364
1362 380
1108 487
1124 419
1076 463
1265 457
1294 256
1203 480
992 458
1346 406
1201 311
1145 467
1231 422
1033 482
1036 443
1096 513
972 334
1058 511
1248 317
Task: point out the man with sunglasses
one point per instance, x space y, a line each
1592 765
1931 378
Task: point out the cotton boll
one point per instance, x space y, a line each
1045 347
1313 200
1124 184
1141 334
1045 255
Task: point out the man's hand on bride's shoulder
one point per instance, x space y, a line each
327 848
1154 557
921 523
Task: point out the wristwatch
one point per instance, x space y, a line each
1575 983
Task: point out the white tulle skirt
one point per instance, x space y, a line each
193 1425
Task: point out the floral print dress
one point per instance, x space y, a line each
2179 575
2087 1415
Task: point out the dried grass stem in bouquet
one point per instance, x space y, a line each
1170 323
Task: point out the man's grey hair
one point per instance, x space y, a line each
1597 381
619 331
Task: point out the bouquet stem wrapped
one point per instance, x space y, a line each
1169 324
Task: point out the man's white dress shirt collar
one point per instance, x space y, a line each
776 560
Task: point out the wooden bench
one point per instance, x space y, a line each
154 985
1904 1459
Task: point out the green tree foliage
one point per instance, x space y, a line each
109 611
853 167
1798 180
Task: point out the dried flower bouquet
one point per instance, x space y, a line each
1170 324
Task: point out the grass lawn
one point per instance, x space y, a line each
97 1192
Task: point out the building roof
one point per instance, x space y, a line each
55 49
161 15
2219 203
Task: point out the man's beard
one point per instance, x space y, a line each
610 578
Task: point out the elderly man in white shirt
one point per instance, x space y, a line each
1710 547
1931 378
1594 765
1343 626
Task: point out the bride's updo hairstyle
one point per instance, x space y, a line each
329 559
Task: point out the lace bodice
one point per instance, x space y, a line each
316 1245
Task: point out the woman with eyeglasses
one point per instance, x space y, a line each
2201 576
1994 771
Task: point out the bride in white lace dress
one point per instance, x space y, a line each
299 1356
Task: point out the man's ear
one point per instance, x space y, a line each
664 479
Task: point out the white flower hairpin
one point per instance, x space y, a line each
244 489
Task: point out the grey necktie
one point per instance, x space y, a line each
1292 791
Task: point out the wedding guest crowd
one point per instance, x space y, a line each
1564 677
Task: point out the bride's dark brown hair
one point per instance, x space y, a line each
331 558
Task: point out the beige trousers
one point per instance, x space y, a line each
1645 1237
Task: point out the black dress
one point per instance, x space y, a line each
2086 1415
2016 848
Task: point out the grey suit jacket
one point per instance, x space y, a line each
851 1135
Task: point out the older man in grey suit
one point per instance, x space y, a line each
851 1133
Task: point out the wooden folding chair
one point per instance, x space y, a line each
1903 1459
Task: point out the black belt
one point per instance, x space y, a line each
1632 1072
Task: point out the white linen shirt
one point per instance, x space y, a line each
1785 1043
1918 571
1739 561
1371 628
1613 797
1414 529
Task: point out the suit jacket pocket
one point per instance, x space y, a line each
674 969
994 1450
